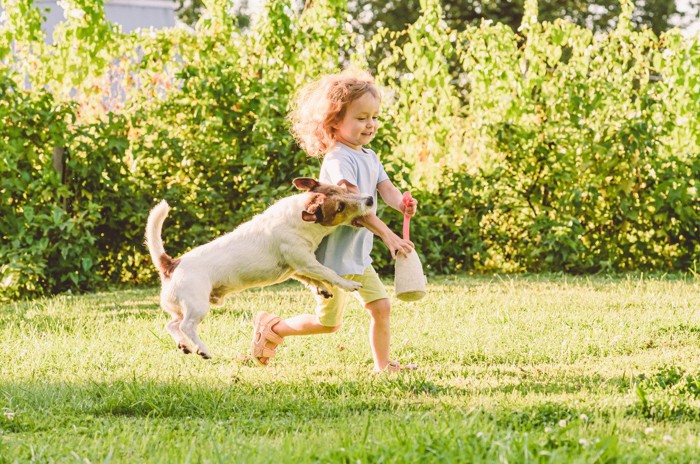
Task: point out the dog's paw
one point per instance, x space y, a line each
183 348
350 285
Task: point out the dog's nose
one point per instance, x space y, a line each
369 201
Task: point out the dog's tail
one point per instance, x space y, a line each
154 227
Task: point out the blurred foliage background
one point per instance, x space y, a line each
370 15
534 143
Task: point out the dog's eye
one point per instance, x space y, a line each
341 207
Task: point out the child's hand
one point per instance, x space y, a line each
396 244
410 208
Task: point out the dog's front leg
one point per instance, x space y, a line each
305 264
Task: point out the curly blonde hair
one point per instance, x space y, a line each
318 106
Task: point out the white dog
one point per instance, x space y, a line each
274 246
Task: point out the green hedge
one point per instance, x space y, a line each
548 149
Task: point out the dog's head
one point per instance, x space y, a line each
332 205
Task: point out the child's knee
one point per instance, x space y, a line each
379 309
330 328
334 329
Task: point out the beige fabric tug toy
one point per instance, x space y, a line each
409 280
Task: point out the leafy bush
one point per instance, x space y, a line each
44 239
544 150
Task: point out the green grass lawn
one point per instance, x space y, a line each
512 369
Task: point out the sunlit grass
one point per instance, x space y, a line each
514 369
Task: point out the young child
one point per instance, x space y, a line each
334 118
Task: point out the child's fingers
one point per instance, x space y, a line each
410 209
406 248
398 245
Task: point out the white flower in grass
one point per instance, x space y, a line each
648 430
583 442
668 438
562 423
583 417
547 429
9 415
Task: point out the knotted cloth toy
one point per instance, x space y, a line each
409 280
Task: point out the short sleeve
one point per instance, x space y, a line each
382 176
337 168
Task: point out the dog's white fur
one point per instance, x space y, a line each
274 246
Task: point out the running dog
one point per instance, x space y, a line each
274 246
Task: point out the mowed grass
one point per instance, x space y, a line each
512 369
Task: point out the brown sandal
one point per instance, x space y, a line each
262 333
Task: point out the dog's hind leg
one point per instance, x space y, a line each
193 313
173 327
180 339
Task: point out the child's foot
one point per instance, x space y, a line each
265 340
395 366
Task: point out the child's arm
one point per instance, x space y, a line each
394 198
393 242
371 221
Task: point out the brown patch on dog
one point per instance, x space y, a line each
313 209
329 205
167 265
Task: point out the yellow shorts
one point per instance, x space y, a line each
330 310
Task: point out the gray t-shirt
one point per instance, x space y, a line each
347 249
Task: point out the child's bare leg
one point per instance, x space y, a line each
306 324
379 331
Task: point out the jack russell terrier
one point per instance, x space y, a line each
274 246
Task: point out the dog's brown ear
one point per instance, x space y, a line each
312 210
305 183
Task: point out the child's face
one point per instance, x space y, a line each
360 123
